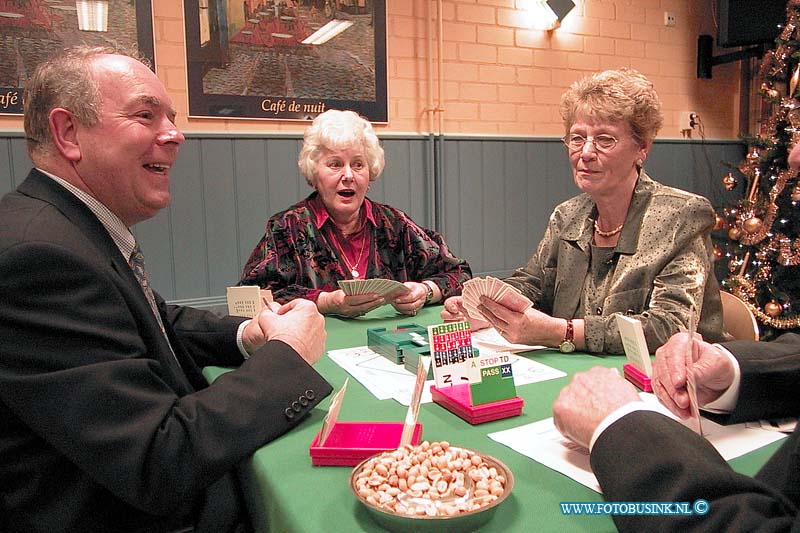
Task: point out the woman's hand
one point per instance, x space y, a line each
338 303
528 327
412 301
454 311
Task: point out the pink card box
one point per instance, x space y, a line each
457 399
637 377
349 443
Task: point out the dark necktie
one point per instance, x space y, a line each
136 261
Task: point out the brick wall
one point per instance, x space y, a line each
500 77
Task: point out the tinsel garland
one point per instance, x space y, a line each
746 291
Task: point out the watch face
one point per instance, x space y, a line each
567 347
429 295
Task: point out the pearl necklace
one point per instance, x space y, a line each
607 233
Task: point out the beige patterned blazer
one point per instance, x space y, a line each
662 267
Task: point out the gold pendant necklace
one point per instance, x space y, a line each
607 233
354 267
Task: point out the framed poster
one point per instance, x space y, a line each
32 30
286 59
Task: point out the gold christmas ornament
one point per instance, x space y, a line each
729 181
786 34
734 233
751 225
719 223
718 254
753 154
796 193
773 309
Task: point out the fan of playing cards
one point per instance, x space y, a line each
499 291
383 287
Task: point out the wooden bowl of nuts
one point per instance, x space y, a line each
433 487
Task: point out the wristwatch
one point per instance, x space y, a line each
568 344
429 296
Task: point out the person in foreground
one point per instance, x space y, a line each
626 245
107 422
639 454
337 233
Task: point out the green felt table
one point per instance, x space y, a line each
286 493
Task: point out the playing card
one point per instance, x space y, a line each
691 388
495 289
383 287
691 384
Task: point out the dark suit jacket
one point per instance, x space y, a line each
100 429
646 456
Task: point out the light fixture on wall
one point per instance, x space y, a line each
92 15
548 14
328 32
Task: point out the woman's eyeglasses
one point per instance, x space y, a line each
602 143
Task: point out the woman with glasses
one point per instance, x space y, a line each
627 245
337 233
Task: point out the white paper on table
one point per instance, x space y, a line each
381 377
542 442
490 339
384 379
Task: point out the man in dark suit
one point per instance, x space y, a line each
106 423
639 454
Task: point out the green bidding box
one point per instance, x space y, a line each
496 383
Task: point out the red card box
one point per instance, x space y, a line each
637 377
349 443
457 399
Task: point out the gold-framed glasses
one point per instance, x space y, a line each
602 143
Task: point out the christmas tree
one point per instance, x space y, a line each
763 228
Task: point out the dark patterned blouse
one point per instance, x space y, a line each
301 252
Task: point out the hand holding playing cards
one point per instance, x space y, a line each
339 303
530 326
713 373
413 300
454 311
587 400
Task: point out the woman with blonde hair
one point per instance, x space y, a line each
626 245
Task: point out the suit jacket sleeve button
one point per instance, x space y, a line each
303 400
310 394
296 406
289 413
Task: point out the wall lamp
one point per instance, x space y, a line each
548 14
92 15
